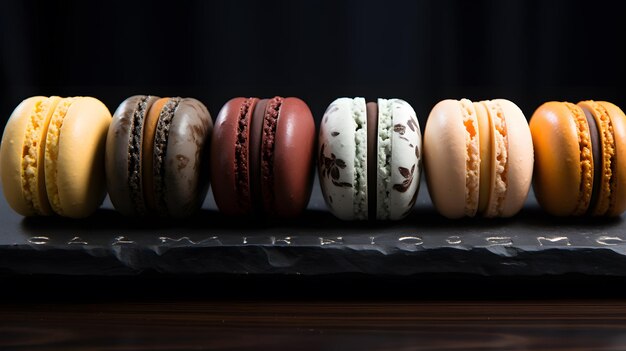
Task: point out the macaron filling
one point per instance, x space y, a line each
359 116
160 151
587 131
34 142
372 147
383 157
242 153
472 157
270 122
135 184
52 152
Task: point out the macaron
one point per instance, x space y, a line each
478 158
156 156
262 156
52 156
369 160
580 150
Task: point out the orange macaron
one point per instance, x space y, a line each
580 158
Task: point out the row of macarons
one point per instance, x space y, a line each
157 156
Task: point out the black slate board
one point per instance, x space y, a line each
107 244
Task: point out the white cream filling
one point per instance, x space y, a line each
360 159
383 181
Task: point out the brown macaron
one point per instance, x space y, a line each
262 156
156 151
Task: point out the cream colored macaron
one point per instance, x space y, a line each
478 158
52 156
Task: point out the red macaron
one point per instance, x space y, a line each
262 156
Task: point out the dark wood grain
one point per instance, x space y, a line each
222 325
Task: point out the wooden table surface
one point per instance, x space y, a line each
188 314
237 325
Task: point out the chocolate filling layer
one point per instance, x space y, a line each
242 153
596 151
270 121
372 158
160 151
256 136
134 155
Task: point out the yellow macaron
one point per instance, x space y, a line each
52 155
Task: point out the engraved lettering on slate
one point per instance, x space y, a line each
453 240
285 240
122 240
39 240
331 240
77 240
610 240
499 241
414 240
556 240
183 239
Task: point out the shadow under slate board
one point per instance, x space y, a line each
532 243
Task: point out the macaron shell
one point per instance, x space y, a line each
444 158
337 149
293 157
406 165
117 153
80 164
186 179
11 156
618 121
557 171
223 151
498 159
520 158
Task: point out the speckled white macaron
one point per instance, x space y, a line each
370 158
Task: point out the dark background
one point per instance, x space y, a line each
421 51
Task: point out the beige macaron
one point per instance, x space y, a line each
478 158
